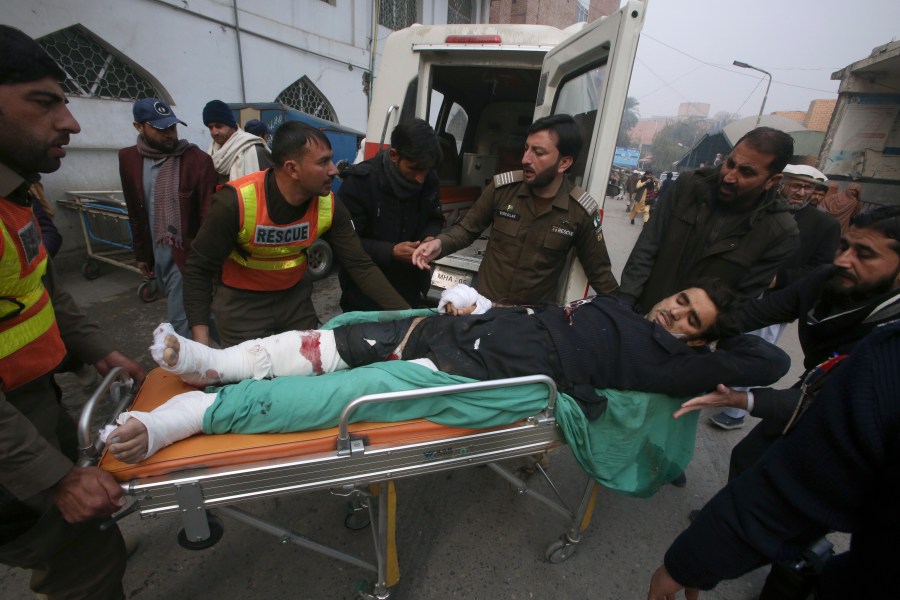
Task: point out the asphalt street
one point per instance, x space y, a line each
463 533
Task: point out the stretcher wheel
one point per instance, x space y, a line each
90 269
216 531
149 291
560 551
357 520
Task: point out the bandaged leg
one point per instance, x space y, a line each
289 353
142 434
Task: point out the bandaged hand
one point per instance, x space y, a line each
462 299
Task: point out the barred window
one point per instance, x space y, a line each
460 11
95 70
581 11
397 14
306 97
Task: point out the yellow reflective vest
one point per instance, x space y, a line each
271 256
30 342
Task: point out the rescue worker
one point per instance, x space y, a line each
536 216
254 242
48 507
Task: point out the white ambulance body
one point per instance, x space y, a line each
481 86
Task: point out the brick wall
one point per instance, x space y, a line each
819 114
558 13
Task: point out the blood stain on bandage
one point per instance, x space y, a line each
310 350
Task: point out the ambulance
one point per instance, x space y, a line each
481 86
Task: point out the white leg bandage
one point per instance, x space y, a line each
179 418
289 353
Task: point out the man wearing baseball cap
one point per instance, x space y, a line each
168 184
235 152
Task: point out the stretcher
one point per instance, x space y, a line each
206 475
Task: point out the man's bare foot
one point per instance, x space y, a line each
128 442
170 354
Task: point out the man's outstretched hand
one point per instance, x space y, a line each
723 396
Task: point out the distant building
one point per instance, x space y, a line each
693 109
806 143
863 140
550 12
643 133
816 117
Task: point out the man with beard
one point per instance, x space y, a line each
837 305
235 152
254 241
167 185
536 216
49 508
724 222
819 236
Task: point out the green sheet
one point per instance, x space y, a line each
635 447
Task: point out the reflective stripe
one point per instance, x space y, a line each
32 324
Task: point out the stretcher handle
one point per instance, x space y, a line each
444 390
121 389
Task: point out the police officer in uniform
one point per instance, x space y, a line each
536 215
255 238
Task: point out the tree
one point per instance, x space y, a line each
674 141
630 117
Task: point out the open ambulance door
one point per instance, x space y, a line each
587 76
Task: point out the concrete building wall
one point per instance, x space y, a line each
192 51
646 129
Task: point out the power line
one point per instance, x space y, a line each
732 71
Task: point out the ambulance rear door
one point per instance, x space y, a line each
587 76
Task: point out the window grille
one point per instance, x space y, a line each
94 70
581 12
306 97
460 11
397 14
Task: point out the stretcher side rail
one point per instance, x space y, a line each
120 387
345 445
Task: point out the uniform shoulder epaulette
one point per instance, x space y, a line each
508 178
586 201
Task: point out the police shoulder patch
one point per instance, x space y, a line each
586 201
507 178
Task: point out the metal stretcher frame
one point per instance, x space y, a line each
361 464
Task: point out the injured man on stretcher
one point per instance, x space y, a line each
593 343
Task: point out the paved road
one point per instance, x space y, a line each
461 534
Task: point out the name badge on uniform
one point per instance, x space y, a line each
269 235
30 239
562 231
508 214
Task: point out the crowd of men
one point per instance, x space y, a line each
226 234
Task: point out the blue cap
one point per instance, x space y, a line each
156 113
256 127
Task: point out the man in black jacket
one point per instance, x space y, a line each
837 469
587 344
819 237
393 201
836 306
724 222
